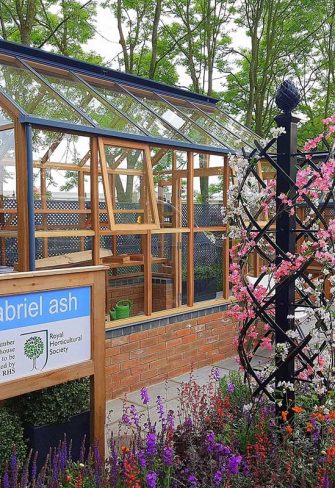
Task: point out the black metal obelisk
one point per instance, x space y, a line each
287 99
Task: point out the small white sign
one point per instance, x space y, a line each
44 331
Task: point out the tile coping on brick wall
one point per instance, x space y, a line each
153 323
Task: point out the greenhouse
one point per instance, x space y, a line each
102 167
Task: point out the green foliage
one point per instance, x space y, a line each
62 25
53 405
206 272
11 435
241 394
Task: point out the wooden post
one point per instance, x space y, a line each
21 197
98 380
81 198
147 274
95 214
190 218
225 257
44 206
176 238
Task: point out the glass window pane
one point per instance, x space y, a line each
124 158
244 137
137 112
125 279
228 139
208 262
8 204
83 98
208 200
4 117
168 271
183 120
62 252
33 96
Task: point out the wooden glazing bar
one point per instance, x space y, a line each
64 233
55 211
215 228
176 238
81 198
11 109
147 274
225 256
62 167
52 148
43 183
105 181
95 200
8 126
151 188
190 222
122 143
98 380
126 171
22 197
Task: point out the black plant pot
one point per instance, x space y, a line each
42 438
204 289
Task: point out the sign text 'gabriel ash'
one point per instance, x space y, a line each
44 331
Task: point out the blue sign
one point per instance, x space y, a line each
44 307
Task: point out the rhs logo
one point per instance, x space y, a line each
36 348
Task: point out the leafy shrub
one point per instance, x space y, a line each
11 436
56 404
238 390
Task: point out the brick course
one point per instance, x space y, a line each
150 356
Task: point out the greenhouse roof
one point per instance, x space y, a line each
48 90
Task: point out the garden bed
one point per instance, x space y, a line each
218 437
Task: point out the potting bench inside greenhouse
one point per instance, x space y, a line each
102 167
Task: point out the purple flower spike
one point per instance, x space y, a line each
231 388
145 396
192 480
234 463
151 444
6 480
135 415
216 374
151 479
168 456
218 478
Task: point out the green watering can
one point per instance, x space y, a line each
121 310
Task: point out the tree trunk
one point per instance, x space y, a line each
154 39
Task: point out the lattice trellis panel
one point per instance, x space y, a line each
295 348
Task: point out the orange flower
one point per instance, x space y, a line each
289 429
284 415
309 427
332 415
297 409
331 451
124 449
319 416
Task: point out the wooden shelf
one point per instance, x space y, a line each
131 263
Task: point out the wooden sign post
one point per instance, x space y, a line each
52 330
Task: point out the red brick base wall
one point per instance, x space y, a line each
147 357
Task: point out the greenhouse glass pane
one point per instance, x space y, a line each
183 121
242 133
34 97
227 139
4 117
84 98
137 112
